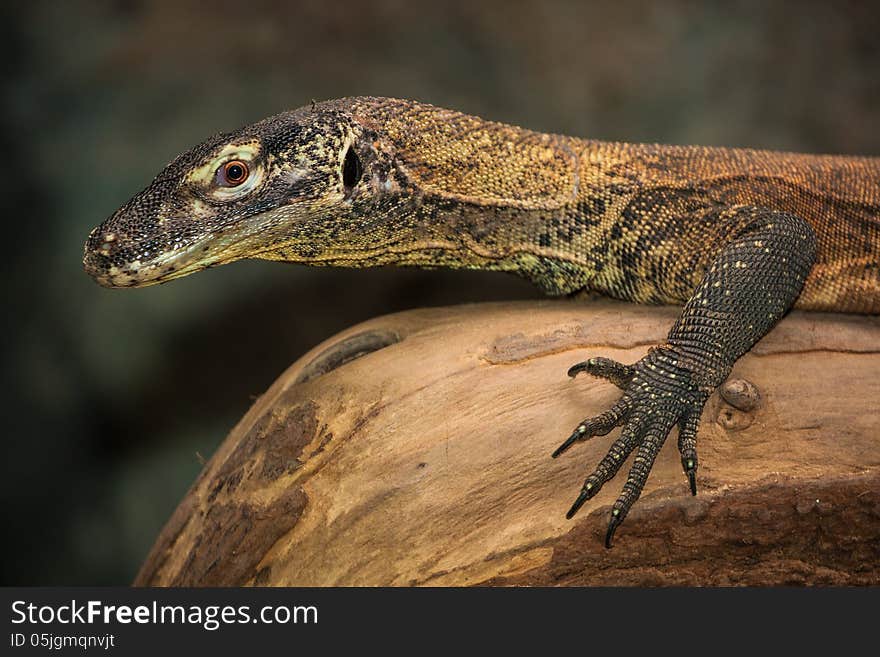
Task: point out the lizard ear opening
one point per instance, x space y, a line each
351 169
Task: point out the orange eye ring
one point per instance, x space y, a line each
234 173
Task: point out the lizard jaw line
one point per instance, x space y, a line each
210 251
166 267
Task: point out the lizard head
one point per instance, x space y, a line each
260 192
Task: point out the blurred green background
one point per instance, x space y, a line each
111 398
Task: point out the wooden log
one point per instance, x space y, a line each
414 449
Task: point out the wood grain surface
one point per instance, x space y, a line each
414 449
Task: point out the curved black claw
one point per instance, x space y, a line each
595 426
687 446
613 524
578 503
571 440
692 476
605 368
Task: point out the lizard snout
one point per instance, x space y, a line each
112 260
98 255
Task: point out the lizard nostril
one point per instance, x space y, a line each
101 248
103 244
108 242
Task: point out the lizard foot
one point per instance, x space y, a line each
658 394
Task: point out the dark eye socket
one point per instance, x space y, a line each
233 173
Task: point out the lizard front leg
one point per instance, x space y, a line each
752 282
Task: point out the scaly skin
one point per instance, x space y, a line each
736 236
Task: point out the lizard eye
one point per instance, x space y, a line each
232 174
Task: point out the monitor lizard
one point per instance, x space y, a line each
736 236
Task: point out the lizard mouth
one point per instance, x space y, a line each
114 263
115 260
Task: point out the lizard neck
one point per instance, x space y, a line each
469 193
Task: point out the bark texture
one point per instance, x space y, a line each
414 449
